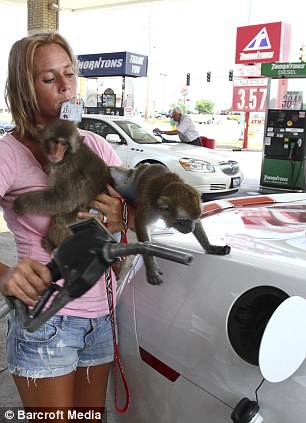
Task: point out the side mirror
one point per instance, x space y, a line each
113 138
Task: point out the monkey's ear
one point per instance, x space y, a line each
163 204
81 139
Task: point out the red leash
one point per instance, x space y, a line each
110 298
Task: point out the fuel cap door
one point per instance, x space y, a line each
283 345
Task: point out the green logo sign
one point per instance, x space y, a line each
284 69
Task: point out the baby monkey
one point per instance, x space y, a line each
77 175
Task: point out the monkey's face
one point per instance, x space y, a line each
179 207
57 149
60 139
185 226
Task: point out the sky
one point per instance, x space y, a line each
183 36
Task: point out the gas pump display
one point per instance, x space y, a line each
284 150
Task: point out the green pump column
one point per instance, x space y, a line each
283 174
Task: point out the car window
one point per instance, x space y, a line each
97 126
137 132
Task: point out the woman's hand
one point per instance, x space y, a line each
27 281
109 210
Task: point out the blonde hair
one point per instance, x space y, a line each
20 94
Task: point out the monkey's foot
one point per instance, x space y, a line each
219 250
153 277
154 280
48 245
18 207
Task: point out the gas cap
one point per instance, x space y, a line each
283 345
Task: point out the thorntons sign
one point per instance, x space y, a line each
262 43
113 64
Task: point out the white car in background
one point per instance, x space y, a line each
206 170
197 347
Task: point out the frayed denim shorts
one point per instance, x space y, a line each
59 346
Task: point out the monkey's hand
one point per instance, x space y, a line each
200 234
219 250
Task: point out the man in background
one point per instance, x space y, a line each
185 128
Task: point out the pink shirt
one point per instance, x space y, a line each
20 172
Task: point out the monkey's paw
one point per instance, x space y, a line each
219 250
153 277
224 250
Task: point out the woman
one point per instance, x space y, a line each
66 362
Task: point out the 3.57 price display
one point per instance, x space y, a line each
249 95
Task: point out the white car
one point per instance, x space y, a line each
197 348
206 170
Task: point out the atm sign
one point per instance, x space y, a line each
249 95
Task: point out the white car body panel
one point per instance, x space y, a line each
183 322
132 154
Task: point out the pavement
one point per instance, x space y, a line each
250 162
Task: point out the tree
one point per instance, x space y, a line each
182 104
205 106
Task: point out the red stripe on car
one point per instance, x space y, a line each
158 365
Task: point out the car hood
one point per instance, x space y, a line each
263 227
181 150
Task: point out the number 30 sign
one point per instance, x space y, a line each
292 100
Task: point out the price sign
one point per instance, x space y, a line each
292 100
249 95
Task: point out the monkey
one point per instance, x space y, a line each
77 175
160 193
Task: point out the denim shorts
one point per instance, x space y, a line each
59 346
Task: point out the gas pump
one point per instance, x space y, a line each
284 153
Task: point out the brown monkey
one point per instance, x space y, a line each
76 174
160 193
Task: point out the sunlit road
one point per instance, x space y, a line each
250 164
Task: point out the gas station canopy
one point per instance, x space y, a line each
84 5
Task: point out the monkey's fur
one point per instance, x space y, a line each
81 175
162 194
74 182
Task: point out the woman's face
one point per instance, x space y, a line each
55 80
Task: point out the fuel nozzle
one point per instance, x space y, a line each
292 147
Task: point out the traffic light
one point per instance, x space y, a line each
230 75
208 76
303 53
188 79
